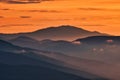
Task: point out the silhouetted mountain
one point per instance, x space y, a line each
60 46
24 41
55 33
106 47
43 63
47 45
28 42
100 40
25 38
45 41
103 48
62 33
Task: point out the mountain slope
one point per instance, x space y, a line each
27 72
6 46
36 61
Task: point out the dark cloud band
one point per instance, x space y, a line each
23 1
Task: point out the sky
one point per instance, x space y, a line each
93 15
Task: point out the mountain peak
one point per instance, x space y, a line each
62 28
24 38
67 26
63 32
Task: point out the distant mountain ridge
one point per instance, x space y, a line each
100 40
103 46
64 32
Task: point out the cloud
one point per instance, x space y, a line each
25 16
109 2
13 25
93 25
55 19
47 0
23 1
51 11
92 17
98 9
1 16
5 9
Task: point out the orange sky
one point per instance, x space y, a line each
94 15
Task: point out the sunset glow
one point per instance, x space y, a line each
93 15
